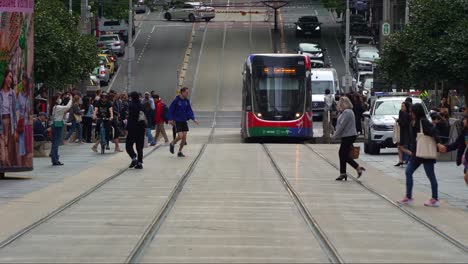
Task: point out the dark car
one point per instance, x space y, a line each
308 26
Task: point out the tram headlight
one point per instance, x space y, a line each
259 114
298 115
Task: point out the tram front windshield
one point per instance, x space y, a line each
279 97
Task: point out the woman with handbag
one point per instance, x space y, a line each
58 111
346 130
423 141
403 121
76 119
461 145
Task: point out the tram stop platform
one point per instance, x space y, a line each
225 202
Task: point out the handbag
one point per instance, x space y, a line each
142 118
396 133
20 126
426 147
354 152
78 118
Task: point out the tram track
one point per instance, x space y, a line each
405 211
324 242
66 206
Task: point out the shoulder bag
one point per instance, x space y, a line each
354 152
426 147
142 118
396 133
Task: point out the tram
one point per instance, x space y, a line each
276 96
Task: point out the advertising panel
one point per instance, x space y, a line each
16 80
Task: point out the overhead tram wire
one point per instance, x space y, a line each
324 242
428 225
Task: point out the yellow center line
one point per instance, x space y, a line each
185 61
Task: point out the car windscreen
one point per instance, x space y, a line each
308 19
389 107
108 38
368 83
311 49
319 87
112 23
364 41
368 54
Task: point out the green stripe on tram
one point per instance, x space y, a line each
268 131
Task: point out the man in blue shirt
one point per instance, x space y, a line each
179 112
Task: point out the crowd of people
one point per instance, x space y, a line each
419 141
133 116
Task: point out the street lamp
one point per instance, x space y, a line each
130 45
347 77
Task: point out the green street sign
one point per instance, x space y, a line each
386 29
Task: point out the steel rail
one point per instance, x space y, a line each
65 206
428 225
323 240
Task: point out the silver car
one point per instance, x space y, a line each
112 42
365 58
102 74
190 11
380 120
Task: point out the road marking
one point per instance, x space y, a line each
153 29
341 50
186 59
316 13
202 47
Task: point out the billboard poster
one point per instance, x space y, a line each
16 80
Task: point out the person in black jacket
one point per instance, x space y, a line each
461 145
420 120
442 126
404 119
135 132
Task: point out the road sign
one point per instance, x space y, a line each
386 29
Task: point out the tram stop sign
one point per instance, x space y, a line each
386 29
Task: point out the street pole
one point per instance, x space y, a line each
130 45
348 74
70 9
84 16
407 12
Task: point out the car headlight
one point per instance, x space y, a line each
298 28
319 55
317 28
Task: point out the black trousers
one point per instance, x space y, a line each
343 153
87 128
139 140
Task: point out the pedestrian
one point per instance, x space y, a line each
40 127
403 121
87 121
442 127
346 130
419 122
58 113
445 107
103 112
135 132
116 105
358 110
461 145
160 119
149 113
76 117
330 107
179 112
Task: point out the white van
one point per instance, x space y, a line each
322 79
114 26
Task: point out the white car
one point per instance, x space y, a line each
380 120
190 11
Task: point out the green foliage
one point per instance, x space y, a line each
62 55
432 47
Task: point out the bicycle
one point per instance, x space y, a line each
103 138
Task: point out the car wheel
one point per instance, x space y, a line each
374 149
104 83
207 19
191 18
366 148
168 16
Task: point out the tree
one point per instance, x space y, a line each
62 55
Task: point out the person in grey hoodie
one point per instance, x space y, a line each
346 130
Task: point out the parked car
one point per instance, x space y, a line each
190 11
313 50
113 42
365 58
108 63
308 26
112 56
380 120
140 8
317 64
102 74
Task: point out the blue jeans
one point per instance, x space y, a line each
149 136
413 165
56 140
79 129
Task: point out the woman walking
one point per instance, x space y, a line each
346 130
76 119
88 109
419 123
149 113
58 111
135 132
403 121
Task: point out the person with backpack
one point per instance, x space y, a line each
160 117
179 112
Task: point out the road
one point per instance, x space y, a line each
226 201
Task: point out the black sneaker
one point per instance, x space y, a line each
180 154
171 148
58 163
133 164
139 166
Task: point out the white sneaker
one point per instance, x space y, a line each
405 200
432 203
